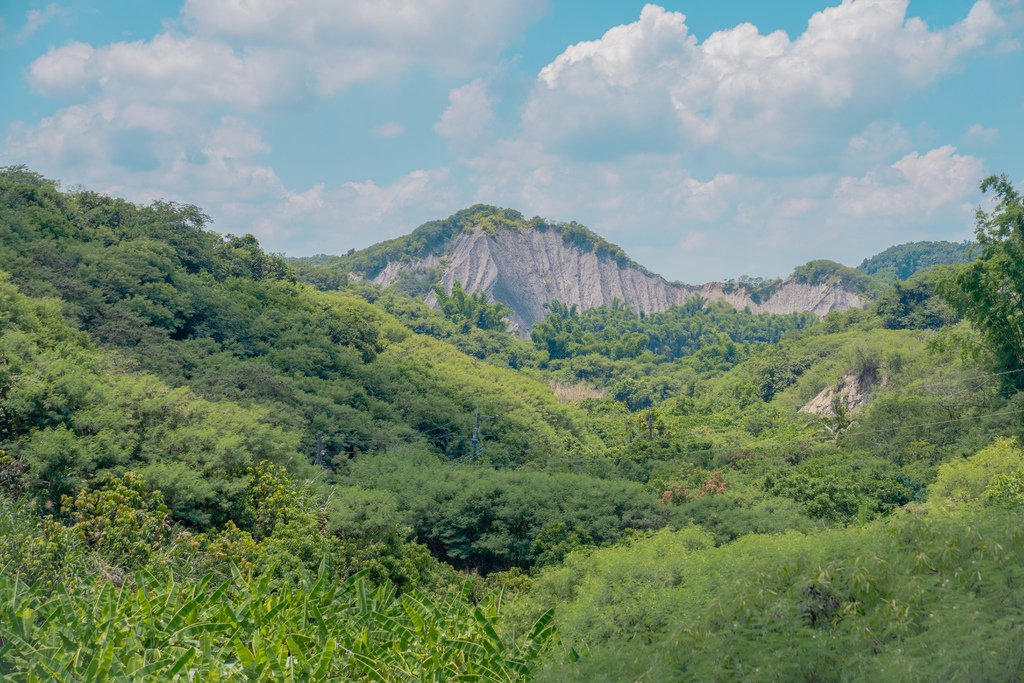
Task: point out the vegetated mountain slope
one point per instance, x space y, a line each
689 524
228 321
524 270
525 265
902 261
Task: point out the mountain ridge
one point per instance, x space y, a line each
525 264
525 269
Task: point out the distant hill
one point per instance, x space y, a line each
902 261
434 237
525 264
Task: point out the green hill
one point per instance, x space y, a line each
430 239
902 261
702 493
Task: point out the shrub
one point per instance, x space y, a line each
965 480
122 520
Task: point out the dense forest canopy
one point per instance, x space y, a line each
702 492
905 260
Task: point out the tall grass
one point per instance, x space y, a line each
574 393
247 629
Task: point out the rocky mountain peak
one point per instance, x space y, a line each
526 268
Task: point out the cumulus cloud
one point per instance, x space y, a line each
698 228
916 185
170 116
353 36
128 150
354 214
612 131
263 53
373 202
619 133
143 154
879 140
746 93
468 114
171 70
643 194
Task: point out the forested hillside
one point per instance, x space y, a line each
530 266
905 260
702 493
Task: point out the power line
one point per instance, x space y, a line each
808 439
476 450
965 379
426 435
941 422
766 446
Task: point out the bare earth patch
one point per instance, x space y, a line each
571 393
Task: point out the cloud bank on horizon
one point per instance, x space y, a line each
746 152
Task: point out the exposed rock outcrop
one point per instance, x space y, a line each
853 390
526 269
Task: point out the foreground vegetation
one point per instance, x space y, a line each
263 630
162 389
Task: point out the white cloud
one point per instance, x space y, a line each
879 140
266 52
355 214
170 70
701 228
469 113
609 134
916 185
142 154
979 134
652 84
391 129
1007 45
128 150
168 116
612 128
372 202
36 19
356 34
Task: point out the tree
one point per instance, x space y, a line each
837 424
989 292
635 394
556 333
912 305
471 310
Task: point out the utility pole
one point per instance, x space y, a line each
650 424
319 462
476 432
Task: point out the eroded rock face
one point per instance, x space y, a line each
526 270
853 390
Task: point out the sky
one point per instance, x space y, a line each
710 140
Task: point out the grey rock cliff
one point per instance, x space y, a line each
525 270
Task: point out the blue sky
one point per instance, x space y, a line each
710 140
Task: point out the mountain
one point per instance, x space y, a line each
903 261
526 264
644 488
